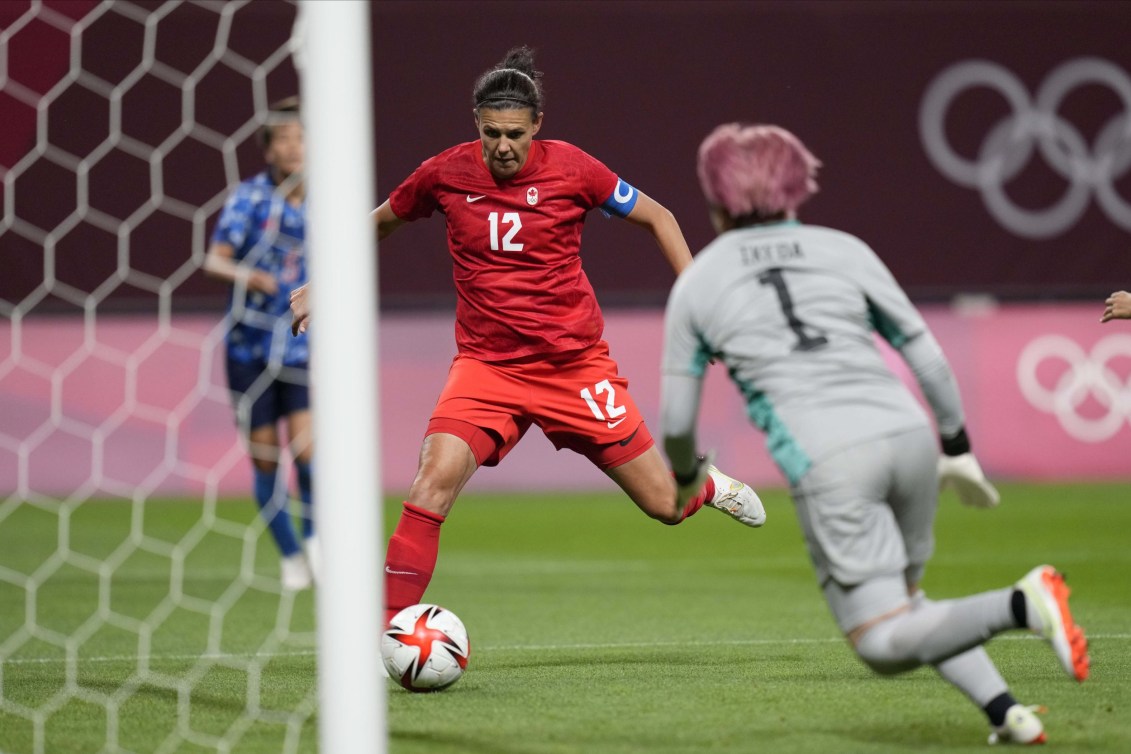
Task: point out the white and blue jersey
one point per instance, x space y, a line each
267 232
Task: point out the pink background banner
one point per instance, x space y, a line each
124 407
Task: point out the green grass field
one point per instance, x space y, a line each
593 629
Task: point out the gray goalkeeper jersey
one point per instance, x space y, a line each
791 310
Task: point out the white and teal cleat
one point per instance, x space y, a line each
1021 726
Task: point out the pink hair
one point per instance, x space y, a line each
756 169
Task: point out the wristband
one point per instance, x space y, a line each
685 479
956 444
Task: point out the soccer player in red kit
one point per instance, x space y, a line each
528 327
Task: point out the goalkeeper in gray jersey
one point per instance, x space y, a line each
792 310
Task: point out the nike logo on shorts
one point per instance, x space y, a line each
627 440
613 425
471 198
400 573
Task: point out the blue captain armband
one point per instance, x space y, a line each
621 201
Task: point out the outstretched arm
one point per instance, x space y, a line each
681 385
680 396
220 263
900 324
386 222
932 371
1118 306
679 408
957 466
661 223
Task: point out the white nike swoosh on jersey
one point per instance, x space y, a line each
471 198
613 425
400 573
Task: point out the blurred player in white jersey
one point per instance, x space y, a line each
792 311
259 247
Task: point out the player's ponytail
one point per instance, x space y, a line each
512 84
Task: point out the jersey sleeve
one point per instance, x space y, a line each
596 183
932 371
415 198
685 352
235 220
680 397
893 315
897 320
684 364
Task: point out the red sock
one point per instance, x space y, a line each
696 502
411 558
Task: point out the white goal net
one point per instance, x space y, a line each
140 603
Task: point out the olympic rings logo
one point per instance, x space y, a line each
1086 375
1009 145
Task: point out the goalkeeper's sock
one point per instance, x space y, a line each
1019 605
275 511
695 503
974 674
305 488
411 558
998 707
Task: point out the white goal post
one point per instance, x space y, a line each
337 105
142 603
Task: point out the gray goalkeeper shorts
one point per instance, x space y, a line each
868 513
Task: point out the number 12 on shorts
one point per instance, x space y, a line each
612 411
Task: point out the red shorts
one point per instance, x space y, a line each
577 398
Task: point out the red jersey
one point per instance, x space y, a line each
515 245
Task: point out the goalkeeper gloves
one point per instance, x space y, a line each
958 468
688 485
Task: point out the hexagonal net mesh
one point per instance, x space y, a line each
140 601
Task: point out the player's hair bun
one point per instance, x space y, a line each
512 84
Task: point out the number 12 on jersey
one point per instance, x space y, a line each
509 218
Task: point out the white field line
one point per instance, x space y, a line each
505 648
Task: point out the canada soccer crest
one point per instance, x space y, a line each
531 196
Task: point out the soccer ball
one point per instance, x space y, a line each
425 648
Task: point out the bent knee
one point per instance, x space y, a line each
877 648
882 665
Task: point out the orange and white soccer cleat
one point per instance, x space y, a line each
1046 596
